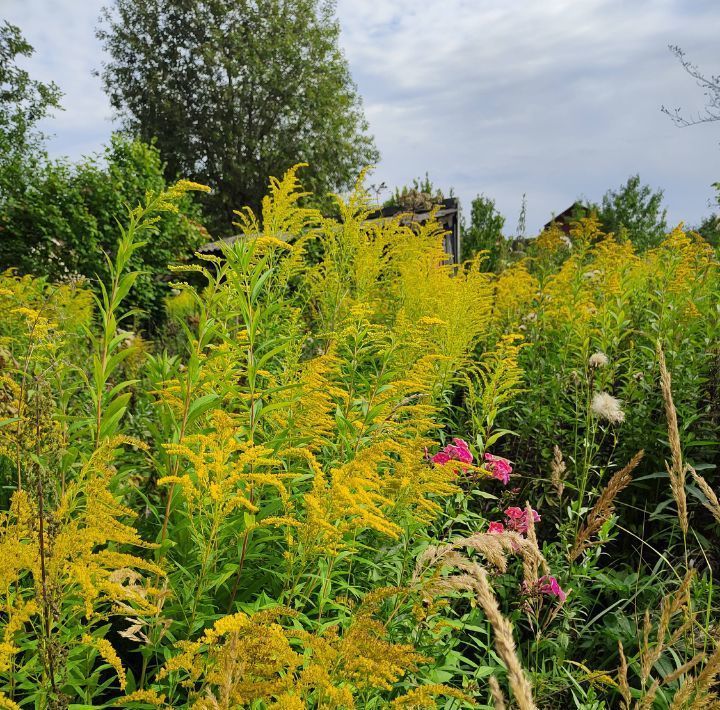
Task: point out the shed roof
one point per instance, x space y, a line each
446 208
565 216
216 246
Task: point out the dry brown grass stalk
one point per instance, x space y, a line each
676 470
711 500
532 557
695 692
650 653
603 508
557 471
504 643
648 699
530 565
623 683
494 547
473 577
645 667
497 694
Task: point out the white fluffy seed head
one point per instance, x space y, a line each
598 359
607 407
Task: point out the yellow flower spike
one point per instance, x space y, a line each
7 704
109 655
149 697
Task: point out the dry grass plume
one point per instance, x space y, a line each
603 508
675 470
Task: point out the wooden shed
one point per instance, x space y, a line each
448 215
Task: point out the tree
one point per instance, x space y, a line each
23 102
59 220
710 84
237 90
484 232
634 211
709 228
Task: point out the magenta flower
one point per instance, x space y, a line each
440 458
496 528
457 451
517 519
549 585
499 467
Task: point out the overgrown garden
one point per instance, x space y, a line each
359 476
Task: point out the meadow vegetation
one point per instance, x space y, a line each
350 474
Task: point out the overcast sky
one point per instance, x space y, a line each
558 99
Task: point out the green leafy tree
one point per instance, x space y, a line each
236 90
709 228
23 102
635 211
484 232
59 221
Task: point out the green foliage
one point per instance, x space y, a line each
709 228
634 211
484 232
282 513
23 102
236 91
275 490
60 220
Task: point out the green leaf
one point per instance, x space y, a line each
201 405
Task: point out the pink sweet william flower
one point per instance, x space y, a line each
440 458
496 528
517 519
550 586
499 467
457 451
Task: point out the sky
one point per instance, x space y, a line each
554 99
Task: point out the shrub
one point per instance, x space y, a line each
59 220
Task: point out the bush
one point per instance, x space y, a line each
59 220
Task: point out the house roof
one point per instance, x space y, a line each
446 208
564 217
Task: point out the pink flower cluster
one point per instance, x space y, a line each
457 451
515 519
549 586
499 467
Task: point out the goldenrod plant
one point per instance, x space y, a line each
352 474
